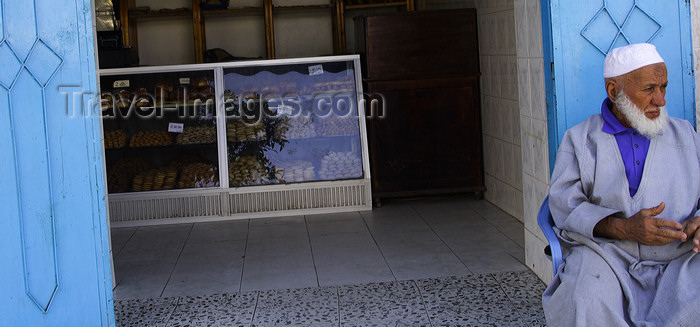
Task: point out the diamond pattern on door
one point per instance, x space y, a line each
605 32
43 62
11 65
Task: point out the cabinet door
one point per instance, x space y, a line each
428 140
418 44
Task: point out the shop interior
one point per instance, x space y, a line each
195 53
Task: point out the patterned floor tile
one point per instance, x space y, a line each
146 312
481 305
455 282
215 310
382 304
297 307
524 289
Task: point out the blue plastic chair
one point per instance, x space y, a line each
546 222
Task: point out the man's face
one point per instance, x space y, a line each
646 88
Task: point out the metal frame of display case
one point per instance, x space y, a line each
225 202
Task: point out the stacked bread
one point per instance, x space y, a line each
106 100
281 128
197 135
340 165
247 170
115 139
155 179
239 131
338 125
120 175
198 175
300 127
296 171
150 138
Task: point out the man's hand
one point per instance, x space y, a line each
690 228
644 228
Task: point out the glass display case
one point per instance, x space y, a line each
292 123
235 139
160 131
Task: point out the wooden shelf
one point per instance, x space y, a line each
377 5
301 8
234 11
197 14
157 15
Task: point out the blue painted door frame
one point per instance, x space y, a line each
578 34
53 222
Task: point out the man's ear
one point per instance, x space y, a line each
613 88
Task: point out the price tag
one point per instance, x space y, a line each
121 83
176 127
185 80
315 70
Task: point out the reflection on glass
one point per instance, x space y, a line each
292 123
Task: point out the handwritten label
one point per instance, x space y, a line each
176 127
184 80
315 70
121 83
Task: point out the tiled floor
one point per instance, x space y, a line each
450 261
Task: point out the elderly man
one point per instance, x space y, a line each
625 196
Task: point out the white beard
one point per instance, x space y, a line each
636 118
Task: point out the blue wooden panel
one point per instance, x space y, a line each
583 32
53 235
34 185
20 25
12 287
11 65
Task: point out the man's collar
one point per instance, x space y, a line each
611 124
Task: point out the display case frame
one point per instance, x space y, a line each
227 201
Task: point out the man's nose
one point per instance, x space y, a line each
658 98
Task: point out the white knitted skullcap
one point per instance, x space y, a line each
625 59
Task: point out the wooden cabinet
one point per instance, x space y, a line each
422 70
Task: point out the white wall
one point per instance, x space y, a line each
500 106
167 41
533 125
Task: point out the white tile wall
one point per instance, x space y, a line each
486 75
521 29
523 89
541 150
534 27
500 108
511 78
533 129
537 98
515 118
535 258
528 144
516 169
488 157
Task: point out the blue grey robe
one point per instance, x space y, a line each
605 282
